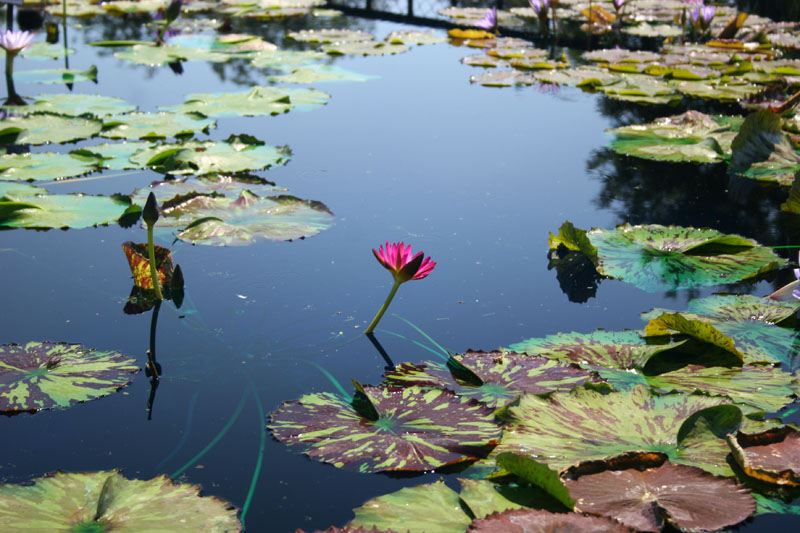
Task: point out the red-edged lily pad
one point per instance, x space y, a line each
772 456
387 428
45 375
539 521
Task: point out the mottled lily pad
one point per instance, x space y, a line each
257 101
138 259
493 378
47 375
75 105
541 521
772 456
107 501
404 429
246 219
692 136
763 151
115 156
657 258
44 129
564 429
685 497
155 125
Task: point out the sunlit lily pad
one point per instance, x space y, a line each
484 497
46 375
44 50
586 77
409 429
657 258
687 498
613 56
330 36
641 89
286 59
320 73
58 210
58 75
653 30
772 456
74 105
145 54
541 521
228 43
246 219
501 377
155 125
414 37
692 136
138 259
255 102
115 156
121 7
44 166
722 91
503 78
44 129
206 157
230 185
566 428
363 48
763 151
107 501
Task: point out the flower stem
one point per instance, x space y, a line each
151 252
384 307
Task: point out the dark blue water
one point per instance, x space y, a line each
475 177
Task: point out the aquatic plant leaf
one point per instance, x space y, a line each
743 308
722 91
657 258
44 50
45 129
115 156
703 330
155 125
691 136
613 56
46 375
418 429
585 424
363 48
286 59
431 507
122 7
772 456
502 78
763 151
237 44
640 88
573 238
683 496
541 521
484 497
206 157
230 185
56 75
537 473
147 54
257 101
775 505
59 210
105 501
501 377
75 105
585 77
652 30
414 37
325 36
245 219
320 73
44 166
139 261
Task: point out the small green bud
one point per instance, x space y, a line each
150 211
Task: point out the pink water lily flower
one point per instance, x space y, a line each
489 20
15 42
397 259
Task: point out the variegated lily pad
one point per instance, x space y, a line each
107 501
76 105
493 378
541 521
257 101
44 129
410 428
772 456
155 125
762 151
656 258
46 375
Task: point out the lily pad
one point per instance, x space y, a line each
232 185
772 456
641 89
43 210
762 151
685 497
403 429
44 50
47 375
563 429
493 378
256 102
692 136
541 521
653 30
414 37
147 54
155 125
363 48
585 77
138 260
656 258
320 73
45 166
326 36
115 156
503 78
44 129
484 497
722 91
286 59
107 501
76 105
57 75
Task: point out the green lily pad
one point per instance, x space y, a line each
286 59
563 429
414 37
155 125
229 43
200 158
46 375
44 50
363 48
586 77
231 185
405 429
762 151
484 497
150 55
743 308
44 166
115 156
692 136
615 56
256 102
107 501
320 73
722 91
45 210
653 30
56 75
641 89
431 507
44 129
75 105
326 36
493 378
503 78
656 258
537 473
122 7
74 9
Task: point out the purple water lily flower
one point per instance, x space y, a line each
539 5
796 292
15 42
703 15
489 20
618 4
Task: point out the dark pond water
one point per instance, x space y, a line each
475 177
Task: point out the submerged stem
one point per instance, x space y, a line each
151 252
384 307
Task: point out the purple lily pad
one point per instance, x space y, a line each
772 456
538 521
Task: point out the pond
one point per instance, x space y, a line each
408 149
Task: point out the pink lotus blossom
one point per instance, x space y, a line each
396 258
15 42
488 22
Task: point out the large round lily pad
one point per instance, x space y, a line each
44 375
44 129
408 428
74 105
146 54
155 125
45 166
107 501
258 101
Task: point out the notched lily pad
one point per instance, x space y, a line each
772 456
258 101
155 125
762 151
45 129
47 375
45 166
406 429
75 105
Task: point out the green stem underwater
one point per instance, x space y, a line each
383 308
151 252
